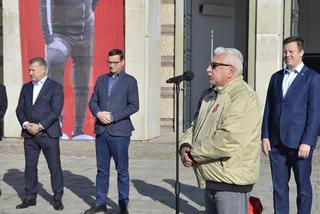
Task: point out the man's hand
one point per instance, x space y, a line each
265 146
187 162
304 150
33 128
104 117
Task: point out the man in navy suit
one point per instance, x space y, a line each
114 99
290 125
40 105
3 108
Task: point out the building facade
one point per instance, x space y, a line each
167 37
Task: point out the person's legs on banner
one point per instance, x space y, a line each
56 56
81 54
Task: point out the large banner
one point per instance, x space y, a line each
74 36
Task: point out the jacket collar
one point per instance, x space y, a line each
229 86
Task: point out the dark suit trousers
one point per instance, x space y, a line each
51 151
1 128
108 146
282 159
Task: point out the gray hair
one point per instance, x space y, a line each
232 56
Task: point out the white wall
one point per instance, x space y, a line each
12 74
142 44
268 43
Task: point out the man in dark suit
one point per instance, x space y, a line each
290 125
38 110
114 100
3 108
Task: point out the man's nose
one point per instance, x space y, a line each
209 69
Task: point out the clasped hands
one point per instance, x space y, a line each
104 117
185 157
33 128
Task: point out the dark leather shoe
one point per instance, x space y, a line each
124 210
26 204
58 205
96 209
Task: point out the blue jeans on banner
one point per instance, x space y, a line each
108 146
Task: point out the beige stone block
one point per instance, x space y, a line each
167 45
166 73
10 4
12 70
270 16
167 108
135 4
268 61
143 62
167 13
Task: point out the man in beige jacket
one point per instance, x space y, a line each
223 144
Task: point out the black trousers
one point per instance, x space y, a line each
1 128
51 150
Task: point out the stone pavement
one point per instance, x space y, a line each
152 172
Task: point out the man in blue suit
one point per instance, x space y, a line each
114 99
290 125
3 108
40 105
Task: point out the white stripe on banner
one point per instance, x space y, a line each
49 16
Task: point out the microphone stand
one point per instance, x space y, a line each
187 76
177 184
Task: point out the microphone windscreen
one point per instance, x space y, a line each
188 75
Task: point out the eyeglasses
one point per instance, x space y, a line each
113 63
216 64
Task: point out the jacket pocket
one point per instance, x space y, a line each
299 122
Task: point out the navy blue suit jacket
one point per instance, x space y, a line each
3 101
46 109
295 118
3 107
122 102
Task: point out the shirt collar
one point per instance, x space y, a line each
40 82
116 75
297 69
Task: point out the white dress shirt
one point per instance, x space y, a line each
289 76
36 88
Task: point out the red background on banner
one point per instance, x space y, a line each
109 34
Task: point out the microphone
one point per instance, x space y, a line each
187 76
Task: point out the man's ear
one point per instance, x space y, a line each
301 53
231 72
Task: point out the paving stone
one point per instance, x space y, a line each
152 176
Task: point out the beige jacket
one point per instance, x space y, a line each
225 137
